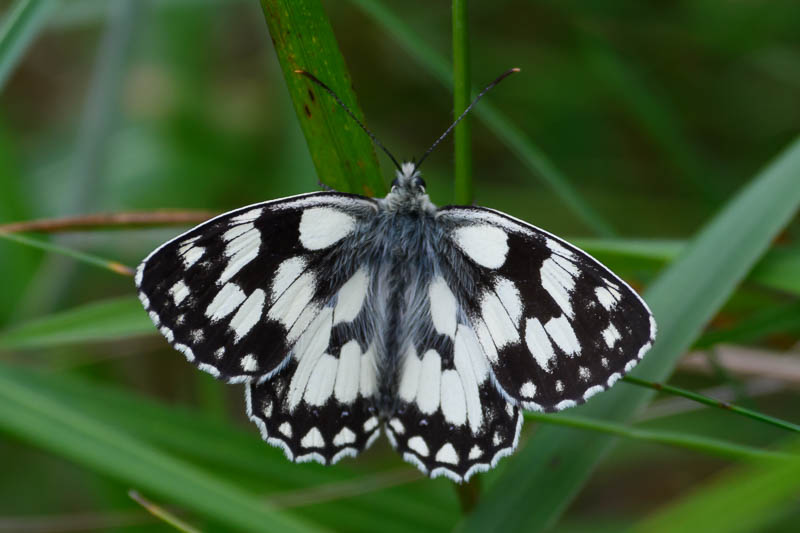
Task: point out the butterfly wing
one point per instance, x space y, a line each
556 326
271 295
236 293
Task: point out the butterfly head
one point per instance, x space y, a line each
408 191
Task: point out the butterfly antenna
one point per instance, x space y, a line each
352 115
444 135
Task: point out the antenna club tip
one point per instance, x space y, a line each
515 69
299 71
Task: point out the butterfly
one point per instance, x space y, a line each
347 316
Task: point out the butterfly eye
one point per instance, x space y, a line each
419 183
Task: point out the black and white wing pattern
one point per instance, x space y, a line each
555 325
266 292
450 419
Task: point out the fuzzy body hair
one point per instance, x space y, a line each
404 247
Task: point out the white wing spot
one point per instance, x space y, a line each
475 452
191 254
229 297
611 335
443 307
559 386
539 344
179 292
288 307
563 335
348 373
219 353
248 314
584 373
197 336
308 350
528 389
558 248
267 409
248 216
559 284
351 297
371 424
397 426
591 391
429 382
320 385
240 250
409 380
313 439
367 383
454 405
565 404
417 444
497 438
345 436
502 330
485 244
286 273
472 368
605 297
447 454
286 429
509 297
249 363
321 227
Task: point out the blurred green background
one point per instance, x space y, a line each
655 112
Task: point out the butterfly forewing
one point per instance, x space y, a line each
236 293
555 325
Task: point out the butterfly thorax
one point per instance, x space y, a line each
408 192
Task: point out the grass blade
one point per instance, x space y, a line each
530 154
114 266
33 416
19 29
698 443
343 155
683 300
107 320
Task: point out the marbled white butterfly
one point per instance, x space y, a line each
346 316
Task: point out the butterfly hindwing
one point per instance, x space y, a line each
556 326
236 293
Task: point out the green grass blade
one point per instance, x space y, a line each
777 269
683 300
530 154
19 29
90 259
30 414
462 136
698 443
106 320
343 154
746 499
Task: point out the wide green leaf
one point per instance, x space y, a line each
343 154
551 469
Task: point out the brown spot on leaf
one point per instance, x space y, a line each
311 95
307 110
